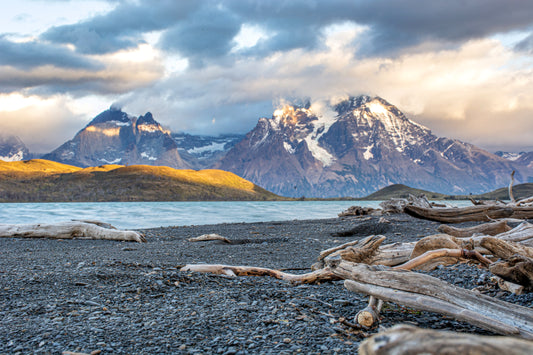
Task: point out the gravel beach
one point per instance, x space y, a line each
106 297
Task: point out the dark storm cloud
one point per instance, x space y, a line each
26 55
122 27
204 29
207 33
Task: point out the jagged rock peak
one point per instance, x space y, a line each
110 115
146 119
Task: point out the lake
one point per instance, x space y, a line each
138 215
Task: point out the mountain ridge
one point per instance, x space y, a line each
115 137
357 146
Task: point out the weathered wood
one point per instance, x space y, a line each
392 254
397 205
321 275
424 259
209 237
492 228
423 292
517 269
522 234
511 195
364 243
370 314
508 286
370 251
435 242
504 249
463 214
361 252
68 230
410 340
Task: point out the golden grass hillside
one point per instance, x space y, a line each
46 181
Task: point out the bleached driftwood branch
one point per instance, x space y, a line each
68 230
424 292
209 237
407 339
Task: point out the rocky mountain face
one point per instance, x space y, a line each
114 137
356 147
13 149
202 152
523 158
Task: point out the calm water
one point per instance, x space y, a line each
137 215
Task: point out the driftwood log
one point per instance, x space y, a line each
426 293
471 213
68 230
209 237
492 228
415 290
407 339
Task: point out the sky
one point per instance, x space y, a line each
463 68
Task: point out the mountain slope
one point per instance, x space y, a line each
114 137
201 152
12 148
47 181
358 146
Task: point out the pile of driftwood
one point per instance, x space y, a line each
387 273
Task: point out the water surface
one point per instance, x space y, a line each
138 215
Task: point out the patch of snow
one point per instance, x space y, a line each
318 152
111 162
145 155
511 156
368 154
213 147
15 157
288 148
417 161
120 123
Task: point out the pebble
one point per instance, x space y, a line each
136 300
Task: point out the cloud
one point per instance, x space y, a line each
208 33
43 124
474 85
121 28
118 73
30 54
525 45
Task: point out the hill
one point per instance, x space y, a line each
46 181
402 191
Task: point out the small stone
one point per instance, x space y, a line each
287 340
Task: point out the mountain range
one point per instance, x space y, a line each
358 146
351 148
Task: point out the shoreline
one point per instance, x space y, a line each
118 297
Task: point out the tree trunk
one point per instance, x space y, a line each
410 340
68 230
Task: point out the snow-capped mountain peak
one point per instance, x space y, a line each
355 147
12 148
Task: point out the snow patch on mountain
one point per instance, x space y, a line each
145 155
211 148
368 154
14 157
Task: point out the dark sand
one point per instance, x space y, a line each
118 297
